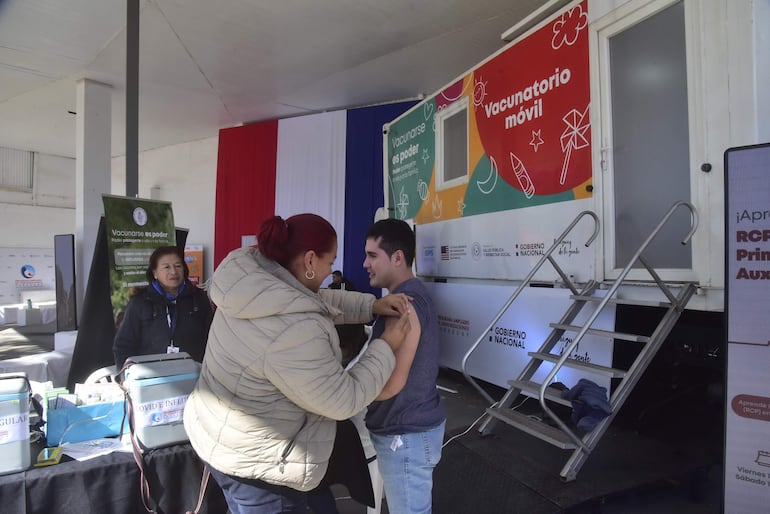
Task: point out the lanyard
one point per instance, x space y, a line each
171 320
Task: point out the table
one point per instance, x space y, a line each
8 314
109 484
41 367
32 316
19 314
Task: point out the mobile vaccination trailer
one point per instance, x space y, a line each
586 157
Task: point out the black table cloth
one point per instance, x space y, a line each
109 484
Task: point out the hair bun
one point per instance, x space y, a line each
273 237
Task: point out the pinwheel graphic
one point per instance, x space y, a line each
573 137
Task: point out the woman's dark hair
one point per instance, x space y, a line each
162 252
282 240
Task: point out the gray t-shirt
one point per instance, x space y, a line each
417 407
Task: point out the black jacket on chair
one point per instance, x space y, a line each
149 317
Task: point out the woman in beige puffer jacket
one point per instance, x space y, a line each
272 385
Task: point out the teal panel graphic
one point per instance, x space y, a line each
411 154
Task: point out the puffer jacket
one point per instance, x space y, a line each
271 385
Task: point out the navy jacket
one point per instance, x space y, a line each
145 327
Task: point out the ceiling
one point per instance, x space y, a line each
205 65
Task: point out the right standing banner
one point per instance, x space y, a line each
747 311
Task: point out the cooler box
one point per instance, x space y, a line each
14 423
158 386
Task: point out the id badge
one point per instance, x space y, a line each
172 349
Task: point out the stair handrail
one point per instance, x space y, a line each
600 306
520 288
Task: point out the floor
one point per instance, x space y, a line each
646 476
18 341
632 472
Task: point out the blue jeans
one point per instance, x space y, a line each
246 496
406 463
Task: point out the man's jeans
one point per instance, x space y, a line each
406 463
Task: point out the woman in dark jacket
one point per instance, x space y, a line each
171 314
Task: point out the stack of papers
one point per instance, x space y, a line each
89 449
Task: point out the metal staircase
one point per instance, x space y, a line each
561 435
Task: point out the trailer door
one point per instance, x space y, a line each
644 143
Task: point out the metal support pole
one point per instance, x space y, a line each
132 98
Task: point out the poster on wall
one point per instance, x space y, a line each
528 142
135 228
193 256
26 273
747 303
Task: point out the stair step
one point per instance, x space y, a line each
586 366
638 338
621 301
533 427
551 393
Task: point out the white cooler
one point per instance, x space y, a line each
14 423
158 386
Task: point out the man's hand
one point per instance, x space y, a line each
392 305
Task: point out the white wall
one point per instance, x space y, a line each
185 175
31 219
33 226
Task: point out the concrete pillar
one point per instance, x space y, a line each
93 155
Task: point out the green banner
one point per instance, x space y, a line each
135 228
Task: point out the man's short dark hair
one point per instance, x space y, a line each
393 235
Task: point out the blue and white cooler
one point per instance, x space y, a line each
14 423
158 386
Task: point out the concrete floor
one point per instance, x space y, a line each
696 493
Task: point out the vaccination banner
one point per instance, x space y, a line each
135 228
747 303
528 131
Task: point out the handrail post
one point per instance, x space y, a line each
520 288
589 322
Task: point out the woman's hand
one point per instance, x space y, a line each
392 305
396 330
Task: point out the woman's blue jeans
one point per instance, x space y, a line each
406 463
257 497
